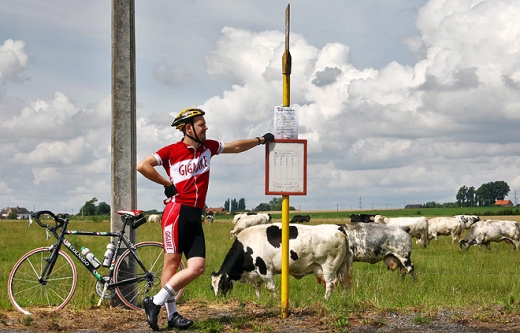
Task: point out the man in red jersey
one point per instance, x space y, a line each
187 164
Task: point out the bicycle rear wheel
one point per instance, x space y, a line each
28 294
147 282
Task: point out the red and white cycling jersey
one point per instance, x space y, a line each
189 170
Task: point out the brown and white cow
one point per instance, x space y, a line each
380 242
484 232
256 257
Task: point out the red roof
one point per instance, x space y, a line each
504 203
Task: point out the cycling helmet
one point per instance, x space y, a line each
186 116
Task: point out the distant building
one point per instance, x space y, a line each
215 211
504 203
413 206
22 212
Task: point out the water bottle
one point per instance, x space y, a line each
90 257
107 260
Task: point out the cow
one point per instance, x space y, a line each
365 218
376 242
239 216
209 219
154 218
484 232
467 220
445 226
418 226
256 257
249 221
300 218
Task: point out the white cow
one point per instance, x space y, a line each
445 226
238 217
418 226
249 221
154 218
484 232
256 257
467 220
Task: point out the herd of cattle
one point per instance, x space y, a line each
328 250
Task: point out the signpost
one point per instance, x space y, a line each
286 162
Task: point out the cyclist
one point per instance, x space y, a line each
187 164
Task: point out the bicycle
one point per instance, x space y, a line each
44 279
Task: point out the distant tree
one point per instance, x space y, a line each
501 189
276 204
450 205
432 204
487 194
12 216
471 196
89 208
226 205
234 205
103 208
263 207
461 196
242 204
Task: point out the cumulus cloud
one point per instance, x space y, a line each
399 133
13 61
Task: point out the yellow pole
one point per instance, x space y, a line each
286 71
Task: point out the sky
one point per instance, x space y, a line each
401 102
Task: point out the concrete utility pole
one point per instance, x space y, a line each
124 174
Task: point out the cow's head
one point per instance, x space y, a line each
221 282
464 244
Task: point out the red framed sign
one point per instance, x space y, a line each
286 167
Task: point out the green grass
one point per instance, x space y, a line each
447 278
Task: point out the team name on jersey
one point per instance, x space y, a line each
188 168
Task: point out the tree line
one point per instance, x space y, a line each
239 206
486 195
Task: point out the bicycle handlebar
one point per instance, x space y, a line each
57 218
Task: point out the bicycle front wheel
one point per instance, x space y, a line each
140 282
29 293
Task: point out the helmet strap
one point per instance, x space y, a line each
196 138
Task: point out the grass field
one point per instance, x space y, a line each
447 278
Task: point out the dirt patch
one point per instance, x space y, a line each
249 317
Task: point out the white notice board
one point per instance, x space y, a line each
286 167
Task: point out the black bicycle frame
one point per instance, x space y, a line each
62 240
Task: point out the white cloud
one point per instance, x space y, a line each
391 131
13 61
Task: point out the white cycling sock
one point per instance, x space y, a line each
171 307
166 292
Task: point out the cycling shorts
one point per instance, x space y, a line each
182 230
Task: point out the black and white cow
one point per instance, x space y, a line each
256 257
300 218
467 220
380 242
365 218
484 232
